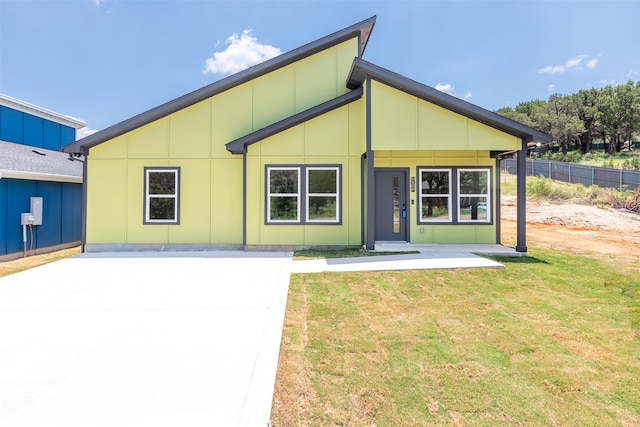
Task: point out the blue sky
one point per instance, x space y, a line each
104 61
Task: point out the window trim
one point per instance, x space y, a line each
459 195
454 195
269 195
308 195
422 220
303 194
147 197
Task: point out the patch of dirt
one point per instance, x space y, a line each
588 230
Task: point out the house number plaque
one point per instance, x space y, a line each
413 184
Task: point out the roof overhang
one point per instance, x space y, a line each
362 30
36 176
361 70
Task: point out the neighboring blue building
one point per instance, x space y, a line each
32 165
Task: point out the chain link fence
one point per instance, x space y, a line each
577 174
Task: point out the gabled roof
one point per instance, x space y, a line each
362 69
34 110
32 163
362 30
239 145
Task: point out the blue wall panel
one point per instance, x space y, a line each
71 212
52 135
67 135
33 131
48 234
11 125
61 213
23 128
3 216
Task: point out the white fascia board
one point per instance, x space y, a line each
32 109
36 176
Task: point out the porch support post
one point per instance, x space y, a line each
498 201
83 202
371 191
521 242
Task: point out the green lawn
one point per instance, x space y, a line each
550 340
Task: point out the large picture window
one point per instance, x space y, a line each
303 194
161 195
455 195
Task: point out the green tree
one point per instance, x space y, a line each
562 121
586 104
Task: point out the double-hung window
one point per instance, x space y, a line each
435 195
473 195
283 198
455 195
161 195
303 195
322 199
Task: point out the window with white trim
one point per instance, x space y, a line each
454 195
161 195
303 195
323 203
435 195
283 194
473 195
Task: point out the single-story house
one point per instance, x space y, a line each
315 147
32 166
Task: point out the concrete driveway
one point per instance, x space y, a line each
157 339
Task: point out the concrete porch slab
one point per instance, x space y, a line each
479 249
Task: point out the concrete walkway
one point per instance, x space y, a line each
156 339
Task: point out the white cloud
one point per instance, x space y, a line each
468 95
446 88
574 62
551 87
242 52
83 132
608 82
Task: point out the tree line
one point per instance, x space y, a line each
609 115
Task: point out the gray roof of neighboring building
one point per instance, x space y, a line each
362 30
362 69
27 162
34 110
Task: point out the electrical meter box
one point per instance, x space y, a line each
36 210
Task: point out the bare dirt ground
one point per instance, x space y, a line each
588 230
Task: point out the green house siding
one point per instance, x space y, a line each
320 109
194 138
332 139
404 122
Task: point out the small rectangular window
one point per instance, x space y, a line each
435 195
283 198
322 194
161 195
473 195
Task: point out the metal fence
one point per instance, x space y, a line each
577 174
